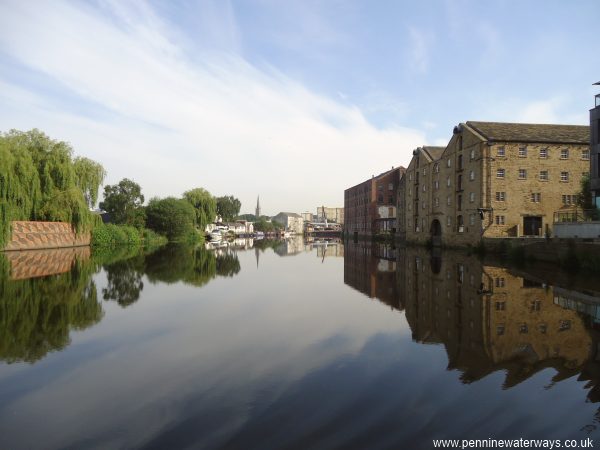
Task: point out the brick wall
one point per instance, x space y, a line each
42 235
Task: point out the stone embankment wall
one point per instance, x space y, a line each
551 250
43 235
40 263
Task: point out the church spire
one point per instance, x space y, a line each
258 207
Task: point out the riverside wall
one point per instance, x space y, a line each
28 235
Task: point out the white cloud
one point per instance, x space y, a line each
420 42
177 122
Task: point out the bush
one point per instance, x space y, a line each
110 234
172 217
151 238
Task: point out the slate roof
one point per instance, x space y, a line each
529 132
434 153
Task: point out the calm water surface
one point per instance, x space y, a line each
291 345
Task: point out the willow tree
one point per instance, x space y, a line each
39 181
204 204
89 175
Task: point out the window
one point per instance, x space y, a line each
564 325
436 184
459 183
472 155
472 219
424 171
543 175
460 162
500 196
409 191
449 162
423 205
500 282
523 328
391 212
500 330
536 305
471 175
449 201
543 153
459 224
569 199
410 206
564 153
585 154
436 168
500 151
436 201
500 173
536 197
410 176
391 187
424 188
564 176
522 174
448 182
380 198
500 306
472 197
500 220
449 221
523 151
459 202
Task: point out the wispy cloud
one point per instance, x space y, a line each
420 42
177 121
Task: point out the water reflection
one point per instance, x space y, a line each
487 317
46 294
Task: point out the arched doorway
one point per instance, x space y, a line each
436 233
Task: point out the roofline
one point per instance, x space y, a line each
528 141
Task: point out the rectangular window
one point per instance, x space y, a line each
449 221
564 176
391 187
436 201
522 174
500 282
500 196
500 173
449 200
499 220
536 197
472 197
500 306
472 175
543 153
472 219
585 154
564 153
436 184
569 199
500 151
522 151
543 175
472 155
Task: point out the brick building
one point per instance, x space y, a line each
370 207
494 180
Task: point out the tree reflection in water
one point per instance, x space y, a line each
38 314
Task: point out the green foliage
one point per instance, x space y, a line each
38 182
228 207
111 235
171 216
124 202
267 227
248 217
89 175
152 238
204 204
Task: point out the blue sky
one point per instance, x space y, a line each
294 101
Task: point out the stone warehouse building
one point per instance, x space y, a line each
493 180
370 207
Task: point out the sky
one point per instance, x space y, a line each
294 101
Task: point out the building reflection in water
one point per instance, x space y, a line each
486 317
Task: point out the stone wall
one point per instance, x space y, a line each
42 235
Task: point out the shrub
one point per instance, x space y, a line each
110 234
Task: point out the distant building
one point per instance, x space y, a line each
370 207
258 208
307 217
331 214
595 150
291 221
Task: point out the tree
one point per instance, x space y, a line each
170 216
204 204
89 175
123 202
228 207
586 200
267 227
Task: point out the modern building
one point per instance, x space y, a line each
331 214
494 180
307 217
370 207
595 150
291 221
